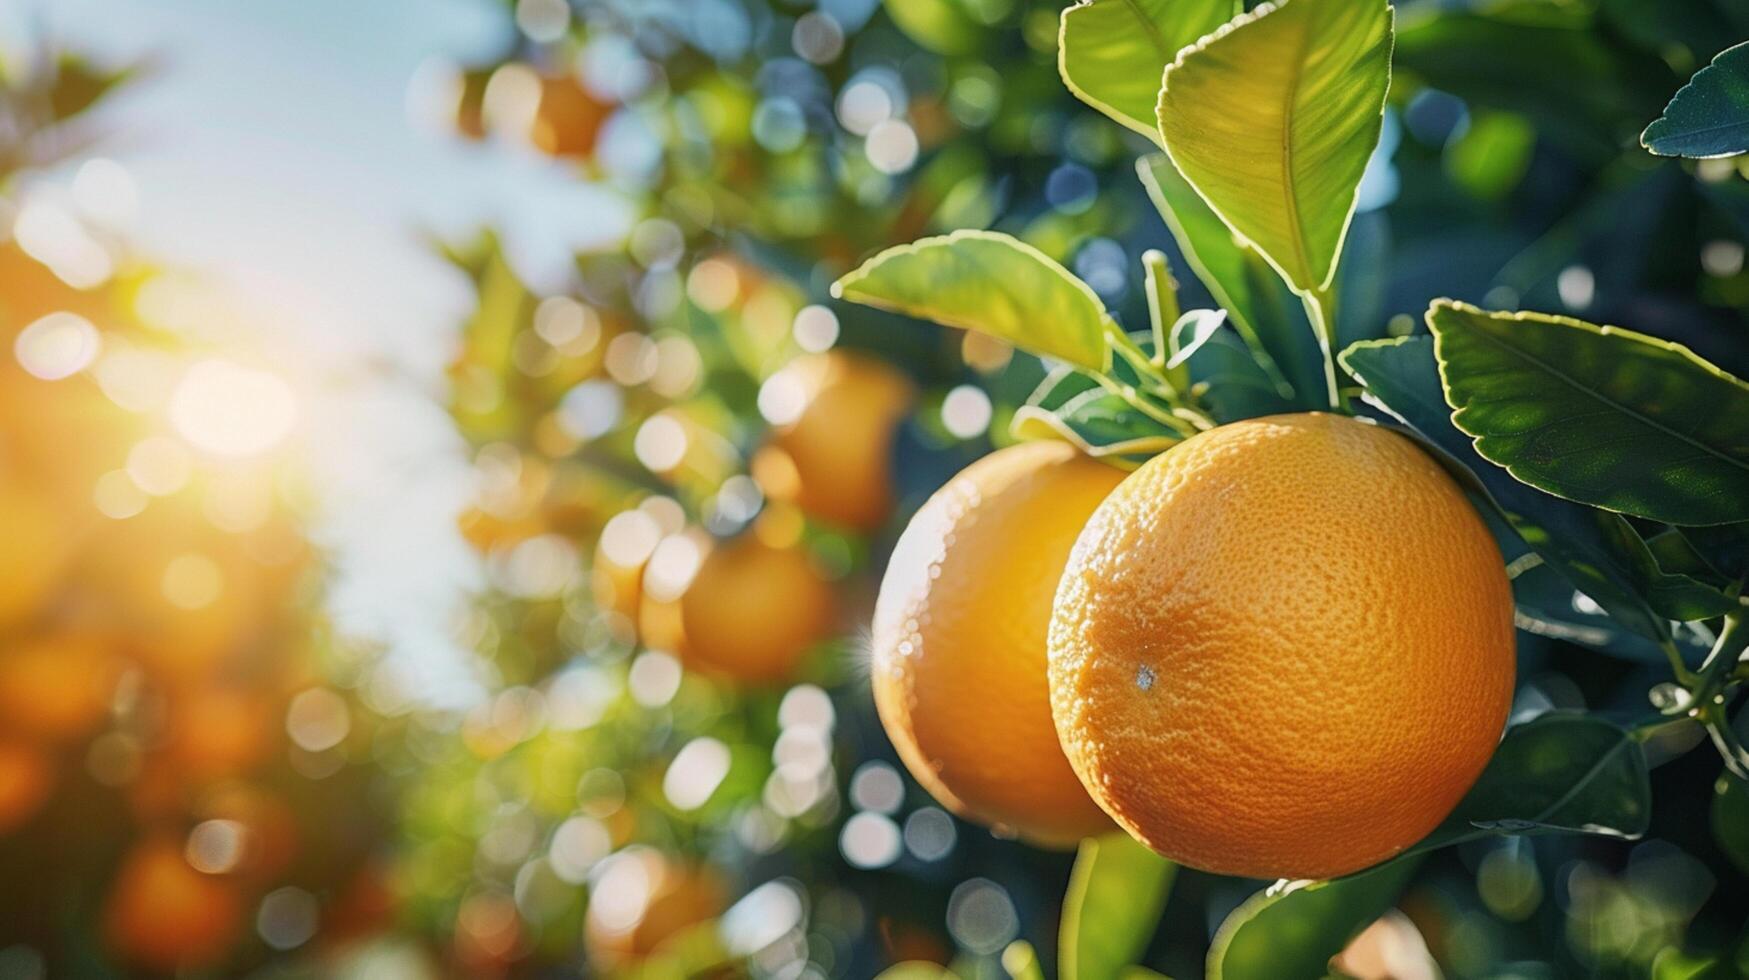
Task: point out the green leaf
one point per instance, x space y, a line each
1561 772
942 26
1402 377
1725 547
1020 961
1273 119
1226 377
990 282
1578 87
1113 53
1072 407
1600 415
1261 307
1192 330
916 970
1490 158
1549 605
1708 117
1295 930
1730 818
1674 963
1116 894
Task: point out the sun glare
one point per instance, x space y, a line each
226 409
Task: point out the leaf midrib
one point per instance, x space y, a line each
1701 131
1602 399
1290 201
1580 783
1151 29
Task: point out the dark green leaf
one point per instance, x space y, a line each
1725 547
1264 311
1116 894
1600 415
1290 931
1730 817
1564 75
1403 378
1548 605
990 282
1708 117
1557 773
1226 377
1113 53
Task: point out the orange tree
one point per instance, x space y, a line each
1281 647
178 789
1337 671
683 461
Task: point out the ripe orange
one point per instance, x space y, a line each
959 640
840 439
1283 648
220 731
754 611
165 915
59 686
568 119
641 899
27 777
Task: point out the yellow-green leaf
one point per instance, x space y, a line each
989 282
1113 53
1272 120
1116 894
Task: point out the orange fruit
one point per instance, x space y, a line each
27 777
568 118
1283 649
58 687
846 408
165 915
959 640
221 730
640 900
754 611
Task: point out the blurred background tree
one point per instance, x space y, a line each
180 786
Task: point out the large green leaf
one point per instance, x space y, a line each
1116 894
1402 377
1273 119
1599 415
1562 772
1259 305
1295 930
1113 53
1708 117
990 282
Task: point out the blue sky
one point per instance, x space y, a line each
273 148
